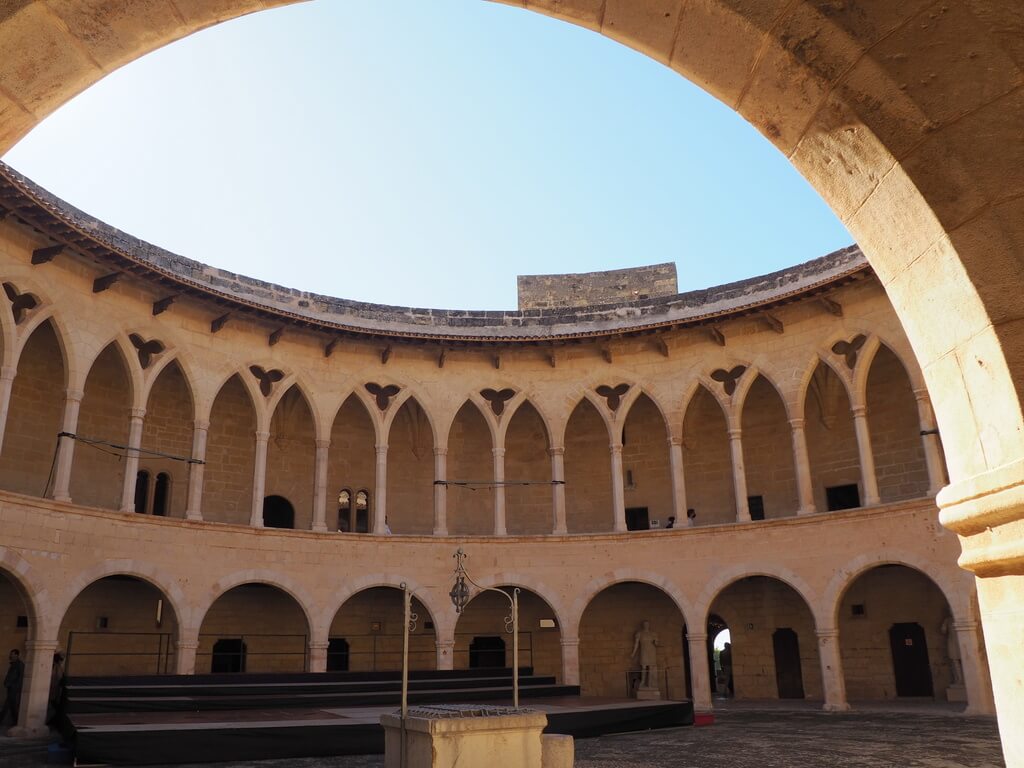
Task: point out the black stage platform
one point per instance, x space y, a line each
208 718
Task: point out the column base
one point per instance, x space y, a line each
65 499
828 707
808 511
193 515
560 532
440 532
29 731
319 529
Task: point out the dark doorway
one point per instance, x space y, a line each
228 655
487 652
161 493
842 497
910 660
715 626
788 675
141 491
687 668
337 654
278 512
637 519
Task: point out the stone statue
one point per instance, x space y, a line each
953 650
645 643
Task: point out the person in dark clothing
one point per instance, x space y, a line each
13 681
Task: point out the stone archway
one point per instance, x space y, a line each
906 119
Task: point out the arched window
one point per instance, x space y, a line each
278 512
345 510
362 511
141 491
162 494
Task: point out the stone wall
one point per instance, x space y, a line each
596 288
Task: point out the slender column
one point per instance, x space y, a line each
832 680
867 457
570 661
445 654
259 480
380 509
317 655
7 374
700 673
558 490
618 489
320 487
66 445
440 492
196 470
979 692
185 654
739 475
35 690
802 465
675 455
500 528
131 463
930 438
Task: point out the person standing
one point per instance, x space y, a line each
13 681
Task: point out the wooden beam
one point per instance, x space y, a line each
661 345
834 307
385 355
219 322
276 336
552 357
100 284
47 254
773 322
162 305
716 335
606 352
329 347
441 357
497 361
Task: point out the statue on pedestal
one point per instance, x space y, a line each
645 643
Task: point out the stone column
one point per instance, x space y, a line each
570 661
802 465
320 486
131 463
380 502
197 470
832 681
445 654
185 653
500 529
867 457
35 690
317 656
979 691
930 438
675 455
618 490
739 475
558 490
259 480
66 445
7 374
440 492
700 672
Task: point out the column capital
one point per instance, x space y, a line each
675 441
262 437
440 451
615 448
827 632
8 372
697 637
322 444
41 646
796 424
447 644
317 645
201 424
74 395
381 448
498 452
569 642
921 394
186 645
736 433
137 413
965 626
859 411
556 450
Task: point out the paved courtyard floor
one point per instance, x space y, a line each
749 736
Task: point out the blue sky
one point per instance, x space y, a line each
425 153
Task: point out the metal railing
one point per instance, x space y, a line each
270 652
378 652
110 653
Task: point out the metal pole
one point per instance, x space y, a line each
515 648
405 653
